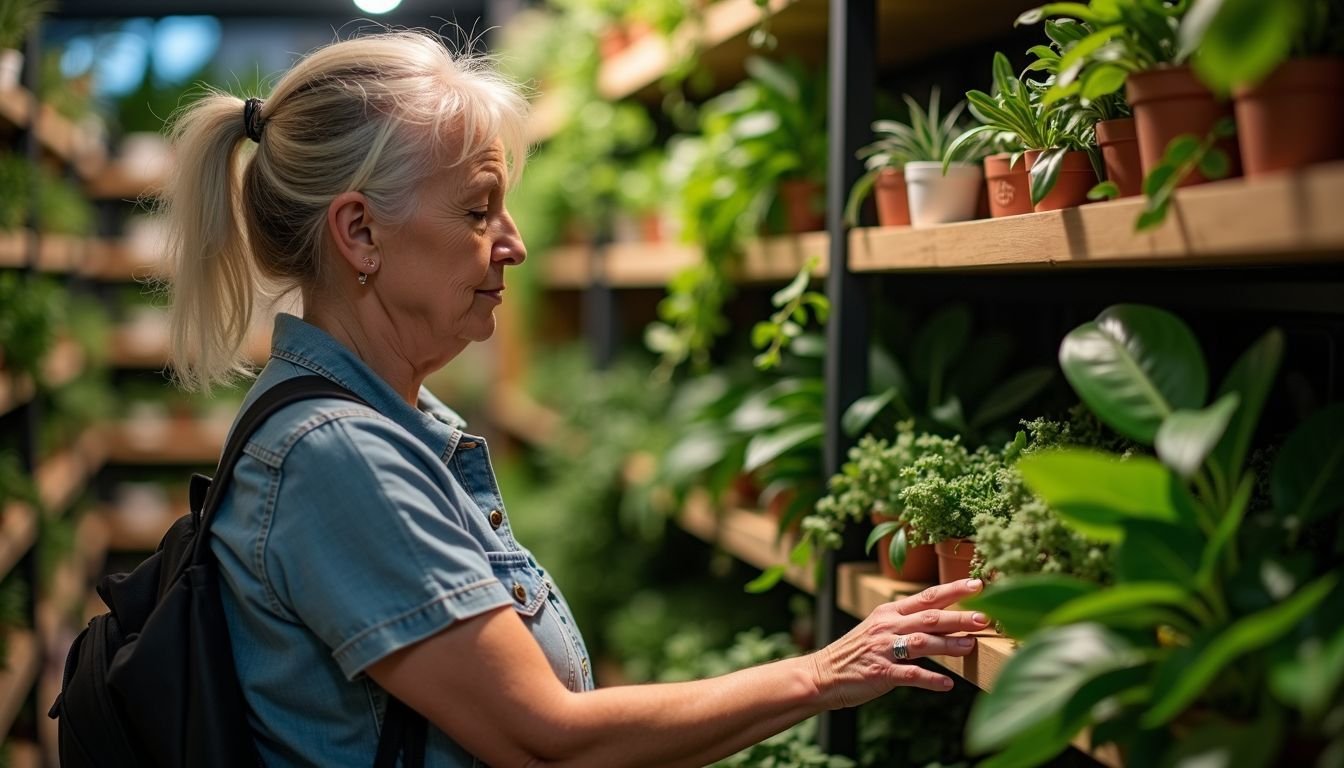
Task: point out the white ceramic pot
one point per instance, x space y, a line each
11 69
938 199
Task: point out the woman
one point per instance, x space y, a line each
366 550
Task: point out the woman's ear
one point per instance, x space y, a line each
351 227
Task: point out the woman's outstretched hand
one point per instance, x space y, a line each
862 665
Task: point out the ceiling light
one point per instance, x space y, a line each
376 6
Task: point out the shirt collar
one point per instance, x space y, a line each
306 345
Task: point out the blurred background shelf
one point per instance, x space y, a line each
749 535
18 531
17 674
62 477
652 265
173 441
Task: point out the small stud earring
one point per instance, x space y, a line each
363 279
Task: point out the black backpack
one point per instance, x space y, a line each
152 682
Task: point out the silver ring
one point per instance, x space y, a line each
899 650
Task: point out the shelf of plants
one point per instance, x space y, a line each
175 441
57 254
17 674
652 265
132 348
128 531
56 134
61 477
67 588
117 261
1283 218
519 414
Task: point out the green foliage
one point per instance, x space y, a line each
1183 156
871 481
948 485
31 310
1240 42
769 128
16 179
63 208
18 17
793 303
1206 610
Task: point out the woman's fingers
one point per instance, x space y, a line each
915 676
942 622
940 596
920 645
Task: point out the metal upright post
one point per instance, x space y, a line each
853 72
601 317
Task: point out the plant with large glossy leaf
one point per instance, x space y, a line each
1020 107
1240 42
1207 609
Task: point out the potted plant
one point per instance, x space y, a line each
1058 139
941 186
1284 62
1227 567
946 486
1137 45
925 138
868 487
17 19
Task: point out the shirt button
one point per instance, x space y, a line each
585 667
496 518
519 592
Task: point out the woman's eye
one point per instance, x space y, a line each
479 216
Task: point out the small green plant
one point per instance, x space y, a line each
17 19
1216 609
786 324
31 310
870 482
16 179
928 136
948 486
1020 107
1184 155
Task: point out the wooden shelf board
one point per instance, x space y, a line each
16 106
771 259
860 590
908 31
519 414
14 249
778 258
17 674
64 362
114 182
748 535
24 754
114 261
1269 221
69 586
182 441
646 265
125 352
62 476
568 266
18 531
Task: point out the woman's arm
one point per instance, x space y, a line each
486 683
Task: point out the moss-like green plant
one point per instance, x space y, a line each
948 486
31 309
17 19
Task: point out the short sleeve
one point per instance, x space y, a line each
367 549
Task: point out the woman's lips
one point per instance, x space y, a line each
496 294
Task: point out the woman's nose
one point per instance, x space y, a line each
509 247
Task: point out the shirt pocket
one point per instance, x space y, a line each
521 580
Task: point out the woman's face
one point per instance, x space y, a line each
443 268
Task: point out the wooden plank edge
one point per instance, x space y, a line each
748 535
15 390
184 441
64 474
17 675
137 536
18 523
521 416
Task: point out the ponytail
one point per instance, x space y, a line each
214 283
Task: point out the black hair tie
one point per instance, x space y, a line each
252 119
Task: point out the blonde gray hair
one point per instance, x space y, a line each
375 114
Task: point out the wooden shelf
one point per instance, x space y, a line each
63 364
653 265
114 261
14 249
113 182
18 531
63 476
519 414
24 754
568 266
68 587
15 390
178 441
132 532
56 254
17 674
1291 218
748 535
55 133
908 31
127 351
646 265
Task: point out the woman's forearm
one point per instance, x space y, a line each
684 724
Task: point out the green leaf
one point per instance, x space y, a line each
1078 11
793 290
861 414
1250 379
767 580
1214 164
1045 172
1106 190
858 193
1098 495
1125 606
1103 80
1312 677
899 548
881 529
1224 743
1186 438
1243 42
1038 682
939 343
773 76
1134 366
1181 149
763 449
1159 178
763 333
1011 395
1022 603
1158 552
1252 633
1150 219
1307 481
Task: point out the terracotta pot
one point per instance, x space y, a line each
1172 102
778 506
613 40
11 69
1008 185
1120 153
921 563
954 559
746 490
1294 118
804 206
1076 178
893 205
651 228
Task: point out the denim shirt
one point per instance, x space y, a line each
348 533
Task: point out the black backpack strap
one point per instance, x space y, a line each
405 728
285 393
